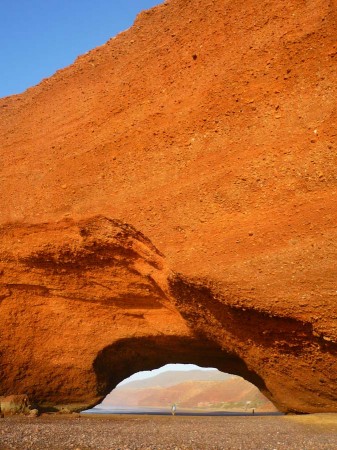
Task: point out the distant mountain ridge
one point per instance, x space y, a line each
173 377
193 389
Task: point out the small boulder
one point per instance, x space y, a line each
14 404
33 413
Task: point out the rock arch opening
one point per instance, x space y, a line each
119 361
185 389
86 304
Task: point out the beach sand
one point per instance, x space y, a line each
312 432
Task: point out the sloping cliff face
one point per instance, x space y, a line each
210 127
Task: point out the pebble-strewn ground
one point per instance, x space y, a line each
166 432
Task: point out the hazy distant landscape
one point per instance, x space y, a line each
196 390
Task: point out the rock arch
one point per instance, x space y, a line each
86 304
127 356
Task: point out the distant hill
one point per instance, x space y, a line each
206 390
173 377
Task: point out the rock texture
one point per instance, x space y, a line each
14 404
214 134
68 292
84 305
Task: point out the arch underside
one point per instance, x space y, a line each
128 356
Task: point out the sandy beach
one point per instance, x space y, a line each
165 432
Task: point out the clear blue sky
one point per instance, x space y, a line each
38 37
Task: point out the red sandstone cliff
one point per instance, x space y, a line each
211 127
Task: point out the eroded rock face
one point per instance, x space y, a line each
14 404
86 304
68 291
215 136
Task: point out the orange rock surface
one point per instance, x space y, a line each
210 126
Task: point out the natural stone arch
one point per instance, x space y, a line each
84 305
128 356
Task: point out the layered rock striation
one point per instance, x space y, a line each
68 291
214 135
